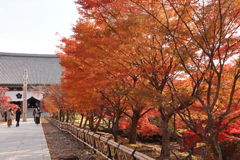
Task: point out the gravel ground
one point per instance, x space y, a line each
62 144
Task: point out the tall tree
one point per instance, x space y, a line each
205 39
161 44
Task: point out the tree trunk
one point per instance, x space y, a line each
81 121
216 148
59 116
73 118
115 127
91 121
95 128
165 151
67 119
133 134
63 116
109 124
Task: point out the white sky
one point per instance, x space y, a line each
30 26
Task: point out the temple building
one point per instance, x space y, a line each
41 70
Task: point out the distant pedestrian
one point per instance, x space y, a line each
5 116
9 117
34 112
18 115
37 115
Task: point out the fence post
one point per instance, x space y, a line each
109 149
94 143
134 158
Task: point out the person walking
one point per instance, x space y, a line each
18 115
9 117
37 115
5 116
34 112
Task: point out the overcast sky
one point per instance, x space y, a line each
30 26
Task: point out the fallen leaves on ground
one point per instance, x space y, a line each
62 144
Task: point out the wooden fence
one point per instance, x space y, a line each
104 146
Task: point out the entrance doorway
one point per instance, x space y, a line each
33 103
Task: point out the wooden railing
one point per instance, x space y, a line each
104 146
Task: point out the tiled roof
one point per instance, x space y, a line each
41 68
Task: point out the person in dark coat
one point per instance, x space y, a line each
34 112
18 115
37 115
5 116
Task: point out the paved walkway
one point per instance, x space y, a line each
26 142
